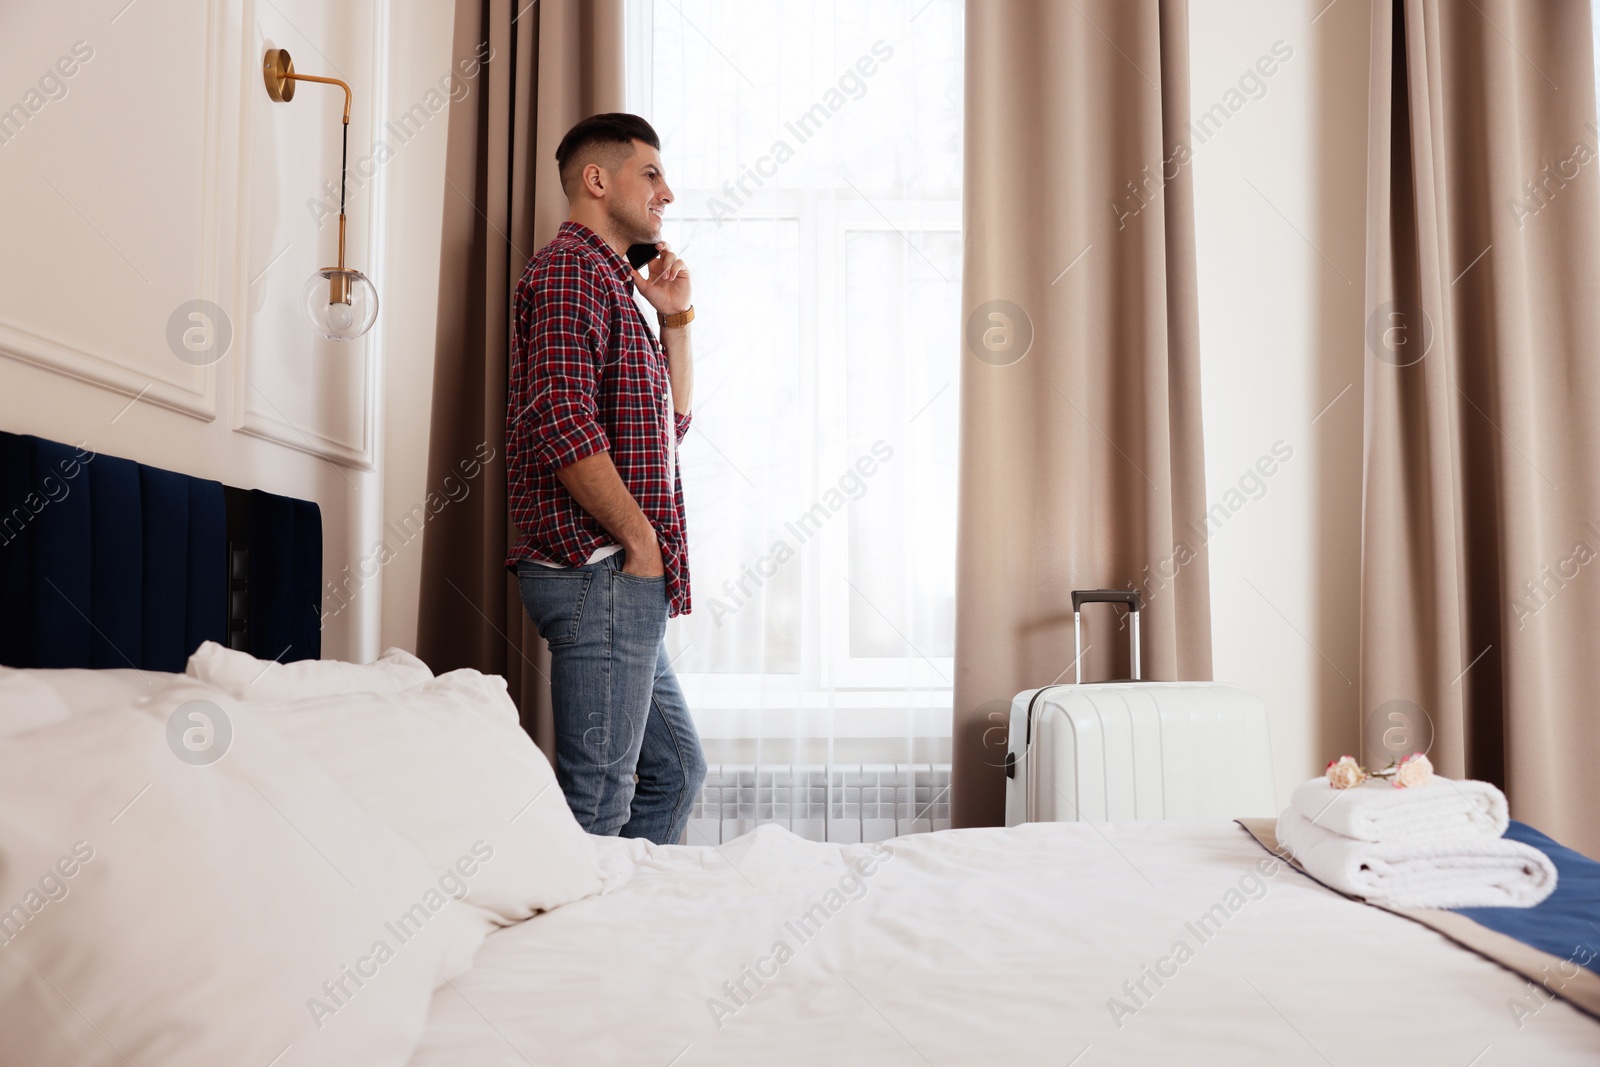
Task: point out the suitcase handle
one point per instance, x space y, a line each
1080 597
1129 597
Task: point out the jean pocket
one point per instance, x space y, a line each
618 560
554 601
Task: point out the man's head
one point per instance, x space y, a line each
610 169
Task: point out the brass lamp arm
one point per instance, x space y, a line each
341 303
278 70
326 81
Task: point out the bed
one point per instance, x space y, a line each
1027 945
1066 943
311 862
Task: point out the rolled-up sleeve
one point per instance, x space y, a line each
680 422
565 351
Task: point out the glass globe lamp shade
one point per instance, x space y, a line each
342 304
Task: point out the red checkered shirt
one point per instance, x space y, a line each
587 376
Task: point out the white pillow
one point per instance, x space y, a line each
243 676
26 702
447 764
36 697
161 909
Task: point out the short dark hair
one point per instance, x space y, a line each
600 134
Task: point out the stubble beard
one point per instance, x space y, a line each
639 230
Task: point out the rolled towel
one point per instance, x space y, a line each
1444 809
1462 872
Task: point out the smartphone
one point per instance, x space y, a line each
639 255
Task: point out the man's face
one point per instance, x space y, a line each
639 194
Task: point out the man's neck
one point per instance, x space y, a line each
603 230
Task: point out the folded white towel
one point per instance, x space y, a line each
1444 809
1462 872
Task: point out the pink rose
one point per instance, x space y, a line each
1413 771
1345 772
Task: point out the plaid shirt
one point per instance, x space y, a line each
588 375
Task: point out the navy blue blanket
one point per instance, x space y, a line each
1565 924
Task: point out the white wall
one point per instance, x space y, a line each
158 173
1280 194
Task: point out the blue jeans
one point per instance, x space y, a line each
627 754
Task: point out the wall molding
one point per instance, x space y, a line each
231 77
192 393
196 397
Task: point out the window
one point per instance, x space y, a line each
814 150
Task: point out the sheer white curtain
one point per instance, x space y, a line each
814 148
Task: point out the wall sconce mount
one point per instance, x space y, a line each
341 303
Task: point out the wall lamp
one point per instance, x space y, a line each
341 303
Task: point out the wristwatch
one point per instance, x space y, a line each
682 318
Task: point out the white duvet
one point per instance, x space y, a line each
1060 944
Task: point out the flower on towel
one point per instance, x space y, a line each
1345 772
1413 771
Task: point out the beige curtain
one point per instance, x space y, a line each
553 62
1481 521
1081 456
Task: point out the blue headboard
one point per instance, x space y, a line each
105 562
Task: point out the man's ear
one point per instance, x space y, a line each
594 184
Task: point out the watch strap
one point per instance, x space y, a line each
682 318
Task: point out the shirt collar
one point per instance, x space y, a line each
577 231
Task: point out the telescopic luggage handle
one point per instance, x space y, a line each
1080 597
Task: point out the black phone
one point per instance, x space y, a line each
639 255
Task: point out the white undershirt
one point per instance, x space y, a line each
594 557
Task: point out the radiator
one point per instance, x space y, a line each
844 803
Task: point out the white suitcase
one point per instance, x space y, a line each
1113 751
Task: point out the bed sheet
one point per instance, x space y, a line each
1063 944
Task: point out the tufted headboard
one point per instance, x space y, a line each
105 562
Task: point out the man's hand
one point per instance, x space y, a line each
594 483
645 561
667 287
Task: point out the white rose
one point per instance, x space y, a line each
1345 772
1413 771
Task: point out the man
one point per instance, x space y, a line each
596 409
